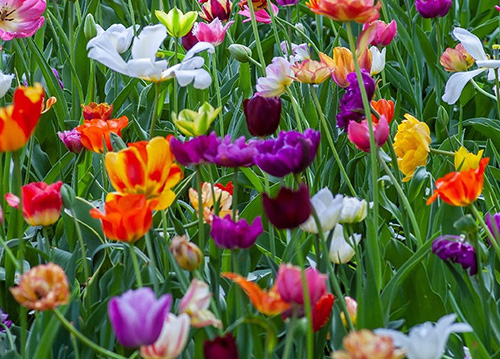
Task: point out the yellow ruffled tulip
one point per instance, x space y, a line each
464 160
177 23
192 123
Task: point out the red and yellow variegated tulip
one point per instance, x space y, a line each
360 11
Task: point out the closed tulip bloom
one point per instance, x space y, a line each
412 145
321 311
94 131
384 33
195 303
221 348
342 64
289 209
41 203
229 234
126 218
177 23
291 152
195 123
465 160
21 18
212 9
359 134
493 222
327 208
199 150
209 198
352 310
429 9
18 121
341 251
187 254
456 250
311 71
146 168
212 33
365 344
353 210
384 108
43 287
262 114
137 317
72 140
457 59
100 111
172 340
289 282
360 11
378 60
460 188
279 76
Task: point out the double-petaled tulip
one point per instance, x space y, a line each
19 19
359 133
342 64
72 140
192 123
212 33
220 348
262 114
195 303
94 132
237 154
222 196
172 339
327 208
384 108
279 76
137 317
199 150
18 121
101 111
456 250
289 209
212 9
145 168
342 251
457 59
287 2
43 287
177 23
289 283
460 188
383 33
429 9
411 145
187 254
353 210
366 344
465 160
41 203
311 71
360 11
229 234
126 218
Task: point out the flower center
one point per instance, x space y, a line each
6 14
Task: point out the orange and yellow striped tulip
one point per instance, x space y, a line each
360 11
94 131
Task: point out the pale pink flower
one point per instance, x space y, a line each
212 33
195 303
262 15
20 18
279 76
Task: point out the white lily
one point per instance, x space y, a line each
328 209
378 60
342 251
5 82
456 83
107 46
426 341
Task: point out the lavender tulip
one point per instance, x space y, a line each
230 234
199 150
453 248
493 222
72 140
237 154
4 319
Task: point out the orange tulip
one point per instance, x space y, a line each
101 111
384 108
460 188
127 218
93 132
268 303
146 168
360 11
18 121
342 63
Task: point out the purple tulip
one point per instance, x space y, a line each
231 235
237 154
291 152
72 140
453 248
137 317
351 104
287 2
221 348
289 209
493 222
429 9
199 150
4 319
56 74
262 114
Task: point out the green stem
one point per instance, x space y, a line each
176 85
295 109
217 91
474 83
46 246
152 258
271 227
235 193
289 337
155 108
497 85
201 228
257 39
441 152
135 263
85 265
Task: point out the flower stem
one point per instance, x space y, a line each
258 45
474 83
135 263
295 109
497 86
271 228
235 193
217 91
441 152
201 229
151 254
154 120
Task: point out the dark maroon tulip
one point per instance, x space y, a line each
289 209
454 249
221 348
262 114
189 40
429 9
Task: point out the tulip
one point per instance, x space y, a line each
189 41
429 9
426 341
460 188
222 196
127 218
291 152
187 254
384 108
101 111
464 160
261 15
229 234
18 121
287 2
72 140
279 76
262 114
199 150
412 145
289 209
4 321
365 344
378 60
195 303
256 4
172 340
311 71
212 33
221 348
20 19
353 210
212 9
268 303
352 310
137 317
41 203
289 282
493 222
342 64
43 287
457 59
5 83
384 33
237 154
192 123
360 11
454 249
93 132
321 311
359 134
299 52
327 209
342 251
177 23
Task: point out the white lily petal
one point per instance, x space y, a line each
199 47
192 63
456 84
491 64
201 79
147 43
5 82
108 56
146 68
471 43
399 339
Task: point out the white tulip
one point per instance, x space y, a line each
328 209
342 251
353 210
5 82
378 60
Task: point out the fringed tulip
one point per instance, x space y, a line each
456 250
20 18
101 111
289 209
262 114
229 234
384 33
360 11
212 9
222 196
42 203
195 303
464 160
212 33
95 132
359 133
261 15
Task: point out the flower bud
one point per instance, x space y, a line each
240 52
384 33
262 114
187 254
353 210
68 196
89 27
193 123
352 310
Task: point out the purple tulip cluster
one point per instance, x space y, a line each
454 249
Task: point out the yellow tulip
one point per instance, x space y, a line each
177 23
464 160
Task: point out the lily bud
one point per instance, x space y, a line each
187 254
240 52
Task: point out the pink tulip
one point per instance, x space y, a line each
20 18
384 33
212 33
289 282
262 15
195 303
359 133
